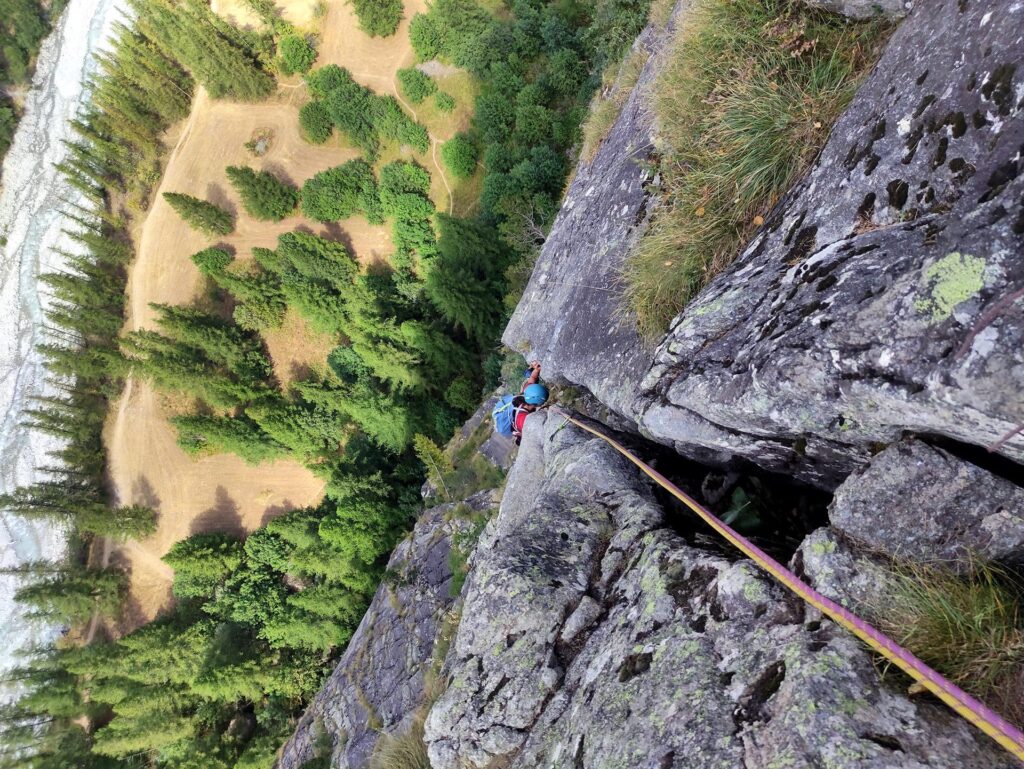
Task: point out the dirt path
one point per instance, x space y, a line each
374 62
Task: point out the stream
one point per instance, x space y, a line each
32 199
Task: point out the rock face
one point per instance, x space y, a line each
863 9
919 502
379 680
879 297
913 502
592 636
569 315
882 296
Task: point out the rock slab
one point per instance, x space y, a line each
593 636
885 293
378 681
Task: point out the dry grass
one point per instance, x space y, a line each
402 750
607 103
970 628
616 83
745 101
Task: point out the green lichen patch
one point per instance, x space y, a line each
953 279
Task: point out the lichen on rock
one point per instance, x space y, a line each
684 659
953 279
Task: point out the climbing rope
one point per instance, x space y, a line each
977 713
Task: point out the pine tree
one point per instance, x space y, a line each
264 196
71 594
222 57
466 281
438 463
202 562
200 434
261 302
201 215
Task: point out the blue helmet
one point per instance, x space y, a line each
535 394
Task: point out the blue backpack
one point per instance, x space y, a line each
504 416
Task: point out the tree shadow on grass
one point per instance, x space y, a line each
276 511
219 197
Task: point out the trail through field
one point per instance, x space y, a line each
375 61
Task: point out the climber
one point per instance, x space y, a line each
510 412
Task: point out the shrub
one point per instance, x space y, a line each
326 79
264 196
315 122
416 86
340 192
201 215
392 123
378 18
400 178
533 124
425 37
460 156
351 108
445 102
297 54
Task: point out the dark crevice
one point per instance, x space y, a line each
752 705
996 464
897 190
1001 177
496 690
999 87
867 206
793 230
924 104
883 740
635 665
802 244
577 756
913 141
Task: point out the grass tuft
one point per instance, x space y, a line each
744 102
617 83
402 750
967 627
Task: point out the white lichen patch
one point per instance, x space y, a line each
953 279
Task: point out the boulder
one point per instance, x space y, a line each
593 636
883 294
919 502
863 9
378 681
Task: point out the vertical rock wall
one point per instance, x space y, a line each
883 295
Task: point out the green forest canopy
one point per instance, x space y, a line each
257 622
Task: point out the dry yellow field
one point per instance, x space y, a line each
221 492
